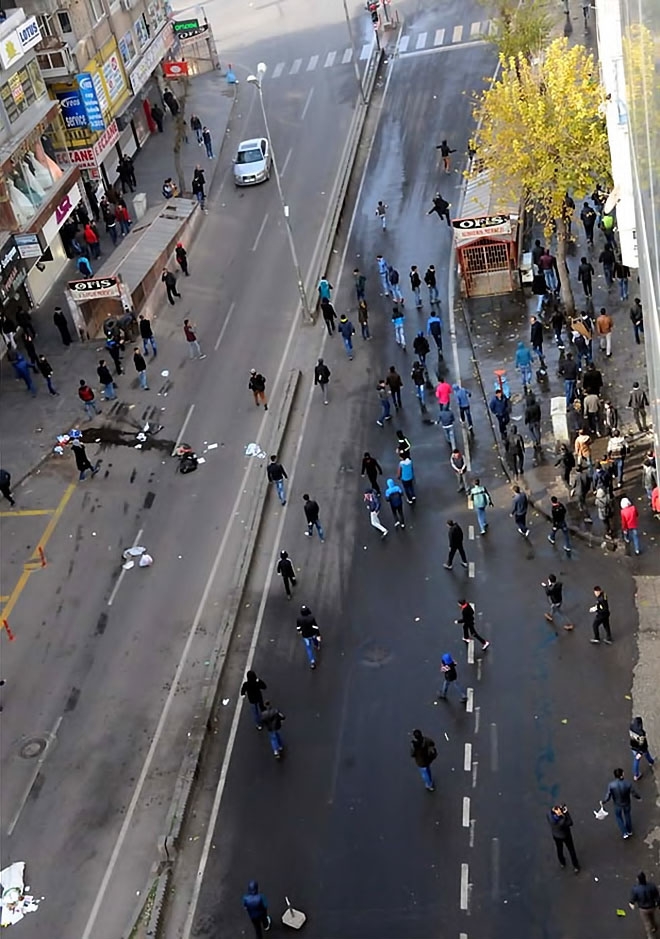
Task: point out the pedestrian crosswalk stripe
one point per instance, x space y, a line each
403 43
313 62
366 50
347 56
421 41
330 59
492 27
439 37
475 29
457 35
295 68
279 68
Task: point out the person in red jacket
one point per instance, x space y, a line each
92 240
443 394
630 523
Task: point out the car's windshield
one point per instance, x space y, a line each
249 156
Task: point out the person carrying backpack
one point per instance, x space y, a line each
480 500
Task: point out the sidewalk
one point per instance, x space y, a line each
497 324
29 426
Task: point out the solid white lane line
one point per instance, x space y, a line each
366 51
122 573
182 431
495 865
470 652
421 41
469 704
330 59
477 720
225 325
494 749
295 68
404 42
439 37
313 62
347 56
466 811
465 876
475 766
467 757
33 778
277 71
457 35
307 103
260 232
286 162
471 532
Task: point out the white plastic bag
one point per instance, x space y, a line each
146 560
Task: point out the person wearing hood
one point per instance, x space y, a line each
251 689
421 347
630 523
82 460
308 628
372 469
603 503
639 746
533 418
311 510
523 363
434 328
406 474
329 315
649 474
271 719
561 823
394 496
449 678
321 378
423 751
287 572
256 907
462 398
347 331
500 406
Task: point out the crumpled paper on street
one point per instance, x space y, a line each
14 903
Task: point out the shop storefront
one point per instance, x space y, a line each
14 295
54 258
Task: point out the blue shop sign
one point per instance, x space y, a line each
73 109
90 101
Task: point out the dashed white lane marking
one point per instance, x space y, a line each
471 532
260 232
469 704
465 883
279 68
467 757
366 51
475 30
471 569
404 42
477 720
313 62
470 656
457 35
472 827
286 162
475 767
466 811
225 326
479 661
307 103
462 935
439 37
295 68
330 59
347 56
421 41
495 864
494 749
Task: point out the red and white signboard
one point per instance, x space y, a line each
90 158
93 288
175 69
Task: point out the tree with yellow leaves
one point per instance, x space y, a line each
543 135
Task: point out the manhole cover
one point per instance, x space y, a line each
33 746
375 655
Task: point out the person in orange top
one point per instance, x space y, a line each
604 327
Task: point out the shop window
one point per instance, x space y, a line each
29 177
127 47
21 90
157 13
141 31
96 10
64 21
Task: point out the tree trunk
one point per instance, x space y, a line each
564 278
180 135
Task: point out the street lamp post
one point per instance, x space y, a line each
257 81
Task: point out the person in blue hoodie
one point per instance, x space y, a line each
434 328
394 496
406 474
256 907
462 398
524 364
449 678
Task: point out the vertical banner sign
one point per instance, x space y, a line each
90 101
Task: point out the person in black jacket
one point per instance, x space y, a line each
257 385
533 418
311 508
287 572
271 719
46 370
554 591
182 258
560 822
252 688
423 751
558 512
592 380
440 207
567 462
619 792
639 746
147 335
646 898
536 338
569 372
308 628
455 536
467 621
321 378
602 618
329 315
277 474
372 469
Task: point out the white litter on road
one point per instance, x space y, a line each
14 903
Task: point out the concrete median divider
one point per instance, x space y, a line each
146 917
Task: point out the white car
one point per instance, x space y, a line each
252 162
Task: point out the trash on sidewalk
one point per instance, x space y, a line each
253 449
14 902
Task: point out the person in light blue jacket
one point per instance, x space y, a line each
524 364
406 474
462 398
394 496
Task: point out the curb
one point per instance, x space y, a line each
167 843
